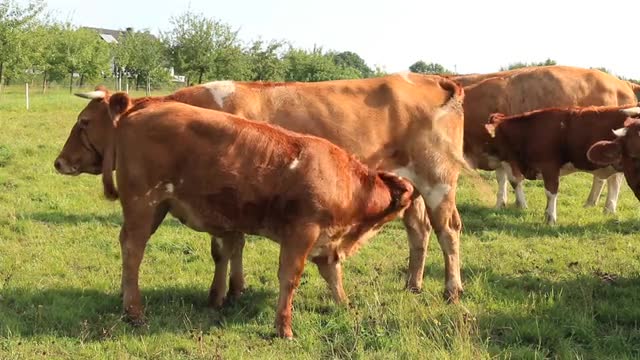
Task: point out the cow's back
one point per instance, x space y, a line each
361 116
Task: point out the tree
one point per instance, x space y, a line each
315 65
431 68
15 20
142 55
200 46
265 61
519 65
348 59
79 51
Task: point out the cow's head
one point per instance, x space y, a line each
623 151
84 149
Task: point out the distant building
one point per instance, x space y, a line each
112 36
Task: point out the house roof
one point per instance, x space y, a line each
107 35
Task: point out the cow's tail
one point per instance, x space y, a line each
454 105
119 103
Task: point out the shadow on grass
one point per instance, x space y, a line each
591 313
477 218
95 315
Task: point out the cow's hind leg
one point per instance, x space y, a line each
236 280
596 189
418 230
332 274
516 184
613 191
135 232
222 251
447 224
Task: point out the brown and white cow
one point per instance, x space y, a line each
554 142
518 91
221 173
623 152
407 123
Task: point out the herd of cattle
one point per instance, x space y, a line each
320 167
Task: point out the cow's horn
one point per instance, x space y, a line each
634 111
97 94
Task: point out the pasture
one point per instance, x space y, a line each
531 291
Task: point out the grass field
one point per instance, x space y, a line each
532 291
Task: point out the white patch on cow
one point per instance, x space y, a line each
552 200
294 164
634 111
169 187
221 90
181 181
405 76
406 172
219 243
620 132
433 196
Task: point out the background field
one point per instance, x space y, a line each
532 291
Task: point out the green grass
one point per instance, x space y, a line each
532 291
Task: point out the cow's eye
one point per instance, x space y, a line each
83 123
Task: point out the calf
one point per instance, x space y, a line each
222 174
623 152
554 142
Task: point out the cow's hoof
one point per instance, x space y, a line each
135 320
500 205
521 206
452 296
609 211
285 333
215 301
550 220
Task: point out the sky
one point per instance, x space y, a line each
466 36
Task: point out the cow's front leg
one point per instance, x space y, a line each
597 185
613 191
551 178
293 254
135 232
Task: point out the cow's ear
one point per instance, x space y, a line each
119 103
605 152
491 129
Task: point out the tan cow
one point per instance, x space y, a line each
623 151
407 123
554 142
529 89
220 173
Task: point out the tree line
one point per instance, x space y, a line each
35 48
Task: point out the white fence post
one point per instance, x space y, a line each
26 92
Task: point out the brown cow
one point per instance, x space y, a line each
411 124
220 173
519 91
624 152
554 142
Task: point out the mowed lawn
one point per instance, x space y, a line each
532 291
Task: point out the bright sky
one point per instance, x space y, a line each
464 35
